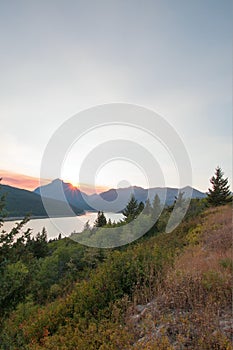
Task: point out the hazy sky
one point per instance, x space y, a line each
60 57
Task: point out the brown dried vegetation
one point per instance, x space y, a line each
192 305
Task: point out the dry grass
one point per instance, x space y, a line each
192 308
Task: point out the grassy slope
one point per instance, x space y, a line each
193 304
170 291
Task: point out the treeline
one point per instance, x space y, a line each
64 295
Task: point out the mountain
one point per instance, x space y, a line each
20 202
166 194
114 199
72 194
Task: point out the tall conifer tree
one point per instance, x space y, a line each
220 193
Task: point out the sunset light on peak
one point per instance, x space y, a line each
30 183
84 187
72 187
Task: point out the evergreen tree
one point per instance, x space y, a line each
148 208
101 220
156 207
87 226
220 193
131 210
38 246
141 206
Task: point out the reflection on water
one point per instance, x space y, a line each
65 226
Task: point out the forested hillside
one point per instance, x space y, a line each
164 291
19 202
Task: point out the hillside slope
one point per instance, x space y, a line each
165 291
192 308
20 202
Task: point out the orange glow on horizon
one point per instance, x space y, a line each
22 181
72 187
30 183
88 189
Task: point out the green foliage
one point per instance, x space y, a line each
141 207
212 280
101 220
62 295
220 193
57 270
148 208
14 279
38 246
227 263
90 303
196 207
156 207
194 234
132 209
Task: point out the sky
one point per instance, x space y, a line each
58 58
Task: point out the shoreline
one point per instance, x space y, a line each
16 218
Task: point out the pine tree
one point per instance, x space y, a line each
141 206
148 208
156 207
131 210
101 220
87 226
38 246
220 193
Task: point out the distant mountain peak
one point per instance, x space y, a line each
56 180
108 199
67 185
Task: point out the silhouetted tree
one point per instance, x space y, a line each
148 208
38 246
101 220
220 193
87 226
141 206
156 207
131 210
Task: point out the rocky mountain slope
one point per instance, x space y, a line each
114 199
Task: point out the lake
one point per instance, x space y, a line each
64 225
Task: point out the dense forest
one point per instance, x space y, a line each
19 202
163 291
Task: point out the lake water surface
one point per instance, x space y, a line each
65 225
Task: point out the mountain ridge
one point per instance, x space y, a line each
113 198
20 202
